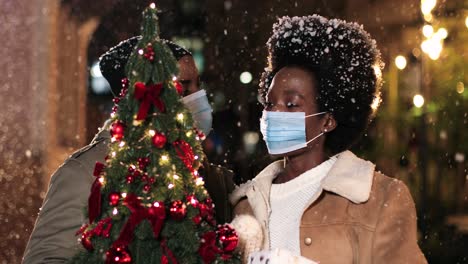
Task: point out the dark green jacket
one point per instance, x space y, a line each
53 239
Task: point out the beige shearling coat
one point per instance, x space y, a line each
358 216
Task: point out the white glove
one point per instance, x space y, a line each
250 235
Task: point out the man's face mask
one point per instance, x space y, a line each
284 132
198 105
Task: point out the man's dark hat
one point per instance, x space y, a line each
112 63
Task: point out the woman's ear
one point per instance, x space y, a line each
330 123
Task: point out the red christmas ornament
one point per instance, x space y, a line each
146 188
178 210
118 255
103 227
197 219
136 174
124 84
179 88
144 178
148 52
129 178
117 130
192 200
207 211
114 198
143 163
86 242
200 134
228 238
208 249
159 140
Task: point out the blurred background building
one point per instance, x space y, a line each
54 98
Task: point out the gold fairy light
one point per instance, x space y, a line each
180 117
199 181
164 158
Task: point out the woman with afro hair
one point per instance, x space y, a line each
321 203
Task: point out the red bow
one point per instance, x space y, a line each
94 200
154 214
148 94
208 249
102 228
167 253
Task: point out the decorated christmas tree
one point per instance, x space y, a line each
148 203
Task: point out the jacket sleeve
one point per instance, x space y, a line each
395 238
53 239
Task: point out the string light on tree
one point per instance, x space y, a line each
180 117
164 158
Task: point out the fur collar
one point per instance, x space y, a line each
350 177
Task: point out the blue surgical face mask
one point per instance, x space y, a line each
198 105
284 132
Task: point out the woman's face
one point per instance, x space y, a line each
294 89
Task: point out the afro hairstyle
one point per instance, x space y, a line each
346 63
112 63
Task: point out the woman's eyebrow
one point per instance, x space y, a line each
294 92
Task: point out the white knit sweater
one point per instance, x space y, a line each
288 201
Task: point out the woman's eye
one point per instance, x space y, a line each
289 104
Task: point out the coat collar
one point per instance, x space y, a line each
350 177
